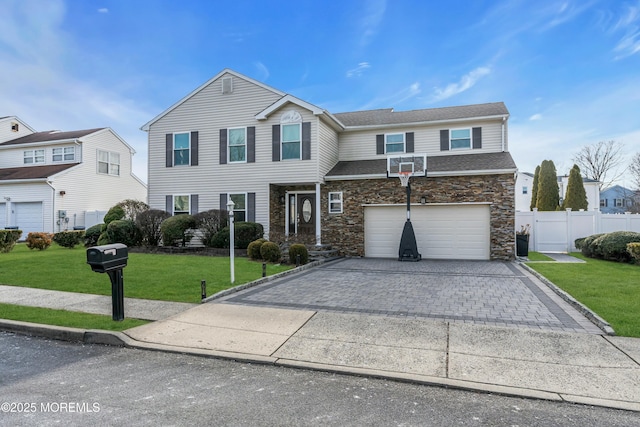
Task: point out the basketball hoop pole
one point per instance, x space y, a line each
408 250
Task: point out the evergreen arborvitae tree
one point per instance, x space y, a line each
576 197
548 198
534 189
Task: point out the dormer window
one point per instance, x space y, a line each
15 127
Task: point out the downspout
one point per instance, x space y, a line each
53 206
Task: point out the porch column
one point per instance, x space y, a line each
318 214
286 214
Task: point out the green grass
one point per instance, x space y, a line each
610 289
537 256
148 276
66 318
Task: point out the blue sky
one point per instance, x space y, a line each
568 70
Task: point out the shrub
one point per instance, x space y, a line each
8 239
634 250
113 214
40 241
296 250
68 239
579 242
253 250
92 234
270 252
613 246
132 208
148 223
244 234
587 246
175 230
210 223
122 231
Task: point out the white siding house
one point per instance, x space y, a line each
524 189
50 180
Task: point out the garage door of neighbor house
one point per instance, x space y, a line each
3 215
442 231
28 217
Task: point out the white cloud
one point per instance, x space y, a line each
629 24
536 117
103 10
395 99
466 82
263 70
357 72
371 18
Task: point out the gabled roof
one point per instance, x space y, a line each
389 117
436 166
145 127
50 136
33 172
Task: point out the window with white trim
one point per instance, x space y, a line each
460 139
181 204
181 148
63 154
108 162
335 202
291 142
603 203
237 140
525 190
33 156
240 206
394 143
618 203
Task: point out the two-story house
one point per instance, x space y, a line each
299 169
618 200
50 180
524 190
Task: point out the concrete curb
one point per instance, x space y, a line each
593 317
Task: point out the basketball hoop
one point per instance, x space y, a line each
404 177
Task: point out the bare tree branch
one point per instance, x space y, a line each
634 168
601 161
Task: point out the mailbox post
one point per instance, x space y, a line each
111 259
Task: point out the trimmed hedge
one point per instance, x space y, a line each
586 245
122 231
115 213
39 240
244 233
8 239
92 234
253 250
270 252
609 246
298 249
68 239
634 251
175 230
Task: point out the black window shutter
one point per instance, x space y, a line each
306 141
275 143
223 201
223 147
444 139
251 207
477 137
251 144
169 149
169 204
194 204
408 139
379 144
194 148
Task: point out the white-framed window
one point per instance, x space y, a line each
335 202
291 141
181 148
618 203
394 143
525 190
33 156
237 140
63 154
108 162
240 206
181 204
603 203
460 139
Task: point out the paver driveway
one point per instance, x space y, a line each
486 292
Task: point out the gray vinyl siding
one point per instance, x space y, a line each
328 147
361 145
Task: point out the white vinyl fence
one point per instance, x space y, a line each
557 231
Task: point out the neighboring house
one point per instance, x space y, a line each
49 180
524 187
618 199
299 169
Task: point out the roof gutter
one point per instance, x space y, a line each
23 181
39 143
423 123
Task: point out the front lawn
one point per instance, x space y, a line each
610 289
148 276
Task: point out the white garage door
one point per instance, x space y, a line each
442 232
28 217
3 215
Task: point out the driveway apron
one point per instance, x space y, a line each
481 292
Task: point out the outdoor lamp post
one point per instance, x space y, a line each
232 240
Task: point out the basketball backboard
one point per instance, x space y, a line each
414 163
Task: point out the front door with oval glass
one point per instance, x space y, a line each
302 215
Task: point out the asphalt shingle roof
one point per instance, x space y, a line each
33 172
51 136
388 116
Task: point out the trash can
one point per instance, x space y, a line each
522 244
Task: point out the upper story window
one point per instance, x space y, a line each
64 154
394 143
108 162
291 141
33 156
460 139
181 148
181 204
240 206
237 145
525 190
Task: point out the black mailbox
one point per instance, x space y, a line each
107 258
